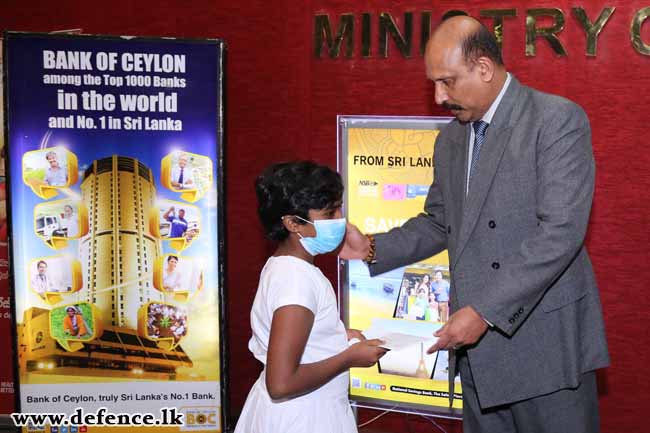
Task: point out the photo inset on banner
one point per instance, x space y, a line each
187 173
413 361
52 277
72 324
58 221
424 294
164 323
408 341
47 170
177 222
178 276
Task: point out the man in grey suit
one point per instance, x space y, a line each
514 180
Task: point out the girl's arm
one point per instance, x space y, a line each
285 376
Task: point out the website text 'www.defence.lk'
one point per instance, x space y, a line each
101 417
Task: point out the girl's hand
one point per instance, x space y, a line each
355 333
365 353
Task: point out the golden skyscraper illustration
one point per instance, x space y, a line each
119 251
117 258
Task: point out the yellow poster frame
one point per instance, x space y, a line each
382 160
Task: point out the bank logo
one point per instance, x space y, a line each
413 191
356 382
197 418
394 191
33 428
368 188
375 386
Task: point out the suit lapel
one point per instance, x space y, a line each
496 141
458 170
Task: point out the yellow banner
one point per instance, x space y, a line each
388 173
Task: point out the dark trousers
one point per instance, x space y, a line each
564 411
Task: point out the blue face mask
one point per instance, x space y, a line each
329 234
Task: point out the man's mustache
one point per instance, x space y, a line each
449 106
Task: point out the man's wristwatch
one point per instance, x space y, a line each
370 259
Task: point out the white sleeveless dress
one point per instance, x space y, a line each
287 280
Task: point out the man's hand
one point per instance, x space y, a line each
355 244
465 327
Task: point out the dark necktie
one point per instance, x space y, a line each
180 177
479 137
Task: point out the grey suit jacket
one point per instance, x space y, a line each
516 244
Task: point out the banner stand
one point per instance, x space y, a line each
116 207
387 167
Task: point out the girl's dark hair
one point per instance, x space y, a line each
293 188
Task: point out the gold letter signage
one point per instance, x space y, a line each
548 33
371 31
592 30
635 31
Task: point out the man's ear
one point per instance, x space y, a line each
486 68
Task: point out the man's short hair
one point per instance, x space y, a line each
481 43
41 262
172 257
51 153
454 13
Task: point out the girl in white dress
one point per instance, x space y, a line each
297 332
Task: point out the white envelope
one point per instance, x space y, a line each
397 341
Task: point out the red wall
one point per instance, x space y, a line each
282 104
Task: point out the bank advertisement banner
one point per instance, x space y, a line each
115 156
387 164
